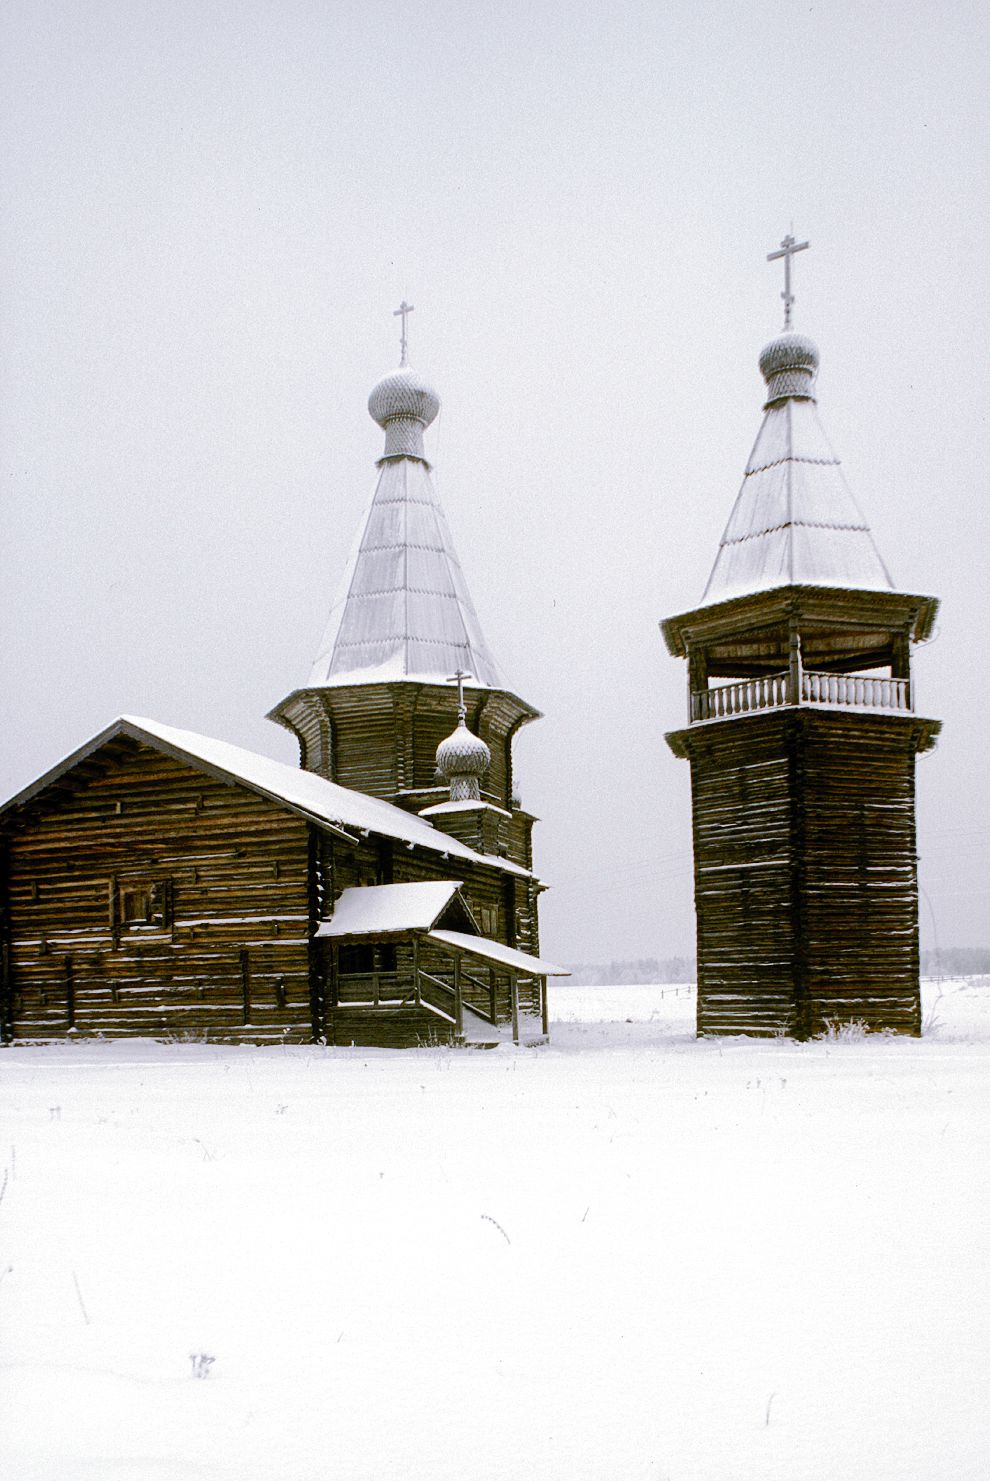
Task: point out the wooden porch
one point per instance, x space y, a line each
405 964
452 993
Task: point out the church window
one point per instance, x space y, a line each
144 903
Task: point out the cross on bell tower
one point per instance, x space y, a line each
459 679
802 735
788 247
403 311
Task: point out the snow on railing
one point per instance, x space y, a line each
740 698
856 691
849 691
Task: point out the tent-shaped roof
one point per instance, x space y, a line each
795 521
303 792
403 609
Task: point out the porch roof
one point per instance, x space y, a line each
389 909
494 951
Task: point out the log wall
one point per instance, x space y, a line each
233 887
382 738
805 872
227 953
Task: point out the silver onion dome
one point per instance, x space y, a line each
789 364
404 404
462 760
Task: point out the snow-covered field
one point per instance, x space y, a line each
629 1255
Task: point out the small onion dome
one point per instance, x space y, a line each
788 364
462 760
403 393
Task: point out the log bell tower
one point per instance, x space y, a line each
802 736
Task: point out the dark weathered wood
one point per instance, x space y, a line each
190 905
805 872
803 809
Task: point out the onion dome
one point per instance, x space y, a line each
404 404
788 365
462 760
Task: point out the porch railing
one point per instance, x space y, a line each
444 992
771 691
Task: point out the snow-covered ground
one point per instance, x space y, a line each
629 1255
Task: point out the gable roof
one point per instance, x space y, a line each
313 797
403 609
400 909
380 909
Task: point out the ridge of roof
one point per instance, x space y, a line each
312 796
403 607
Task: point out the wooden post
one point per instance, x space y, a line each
458 1004
416 987
514 999
70 994
6 968
794 663
245 987
544 982
697 682
900 667
334 976
318 958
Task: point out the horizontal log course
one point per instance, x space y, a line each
806 873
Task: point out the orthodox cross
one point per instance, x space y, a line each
405 309
458 679
787 249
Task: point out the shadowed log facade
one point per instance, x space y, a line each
146 894
805 867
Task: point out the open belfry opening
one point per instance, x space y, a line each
802 736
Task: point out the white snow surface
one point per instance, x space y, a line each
628 1254
366 909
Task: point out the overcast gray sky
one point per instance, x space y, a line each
210 210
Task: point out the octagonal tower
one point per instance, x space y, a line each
802 736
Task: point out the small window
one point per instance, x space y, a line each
144 903
355 960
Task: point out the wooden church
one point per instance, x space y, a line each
162 883
802 737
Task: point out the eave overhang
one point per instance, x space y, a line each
840 606
411 685
920 733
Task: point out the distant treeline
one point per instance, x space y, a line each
646 969
950 961
956 961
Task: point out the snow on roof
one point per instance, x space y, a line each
369 910
324 802
795 521
403 608
496 952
